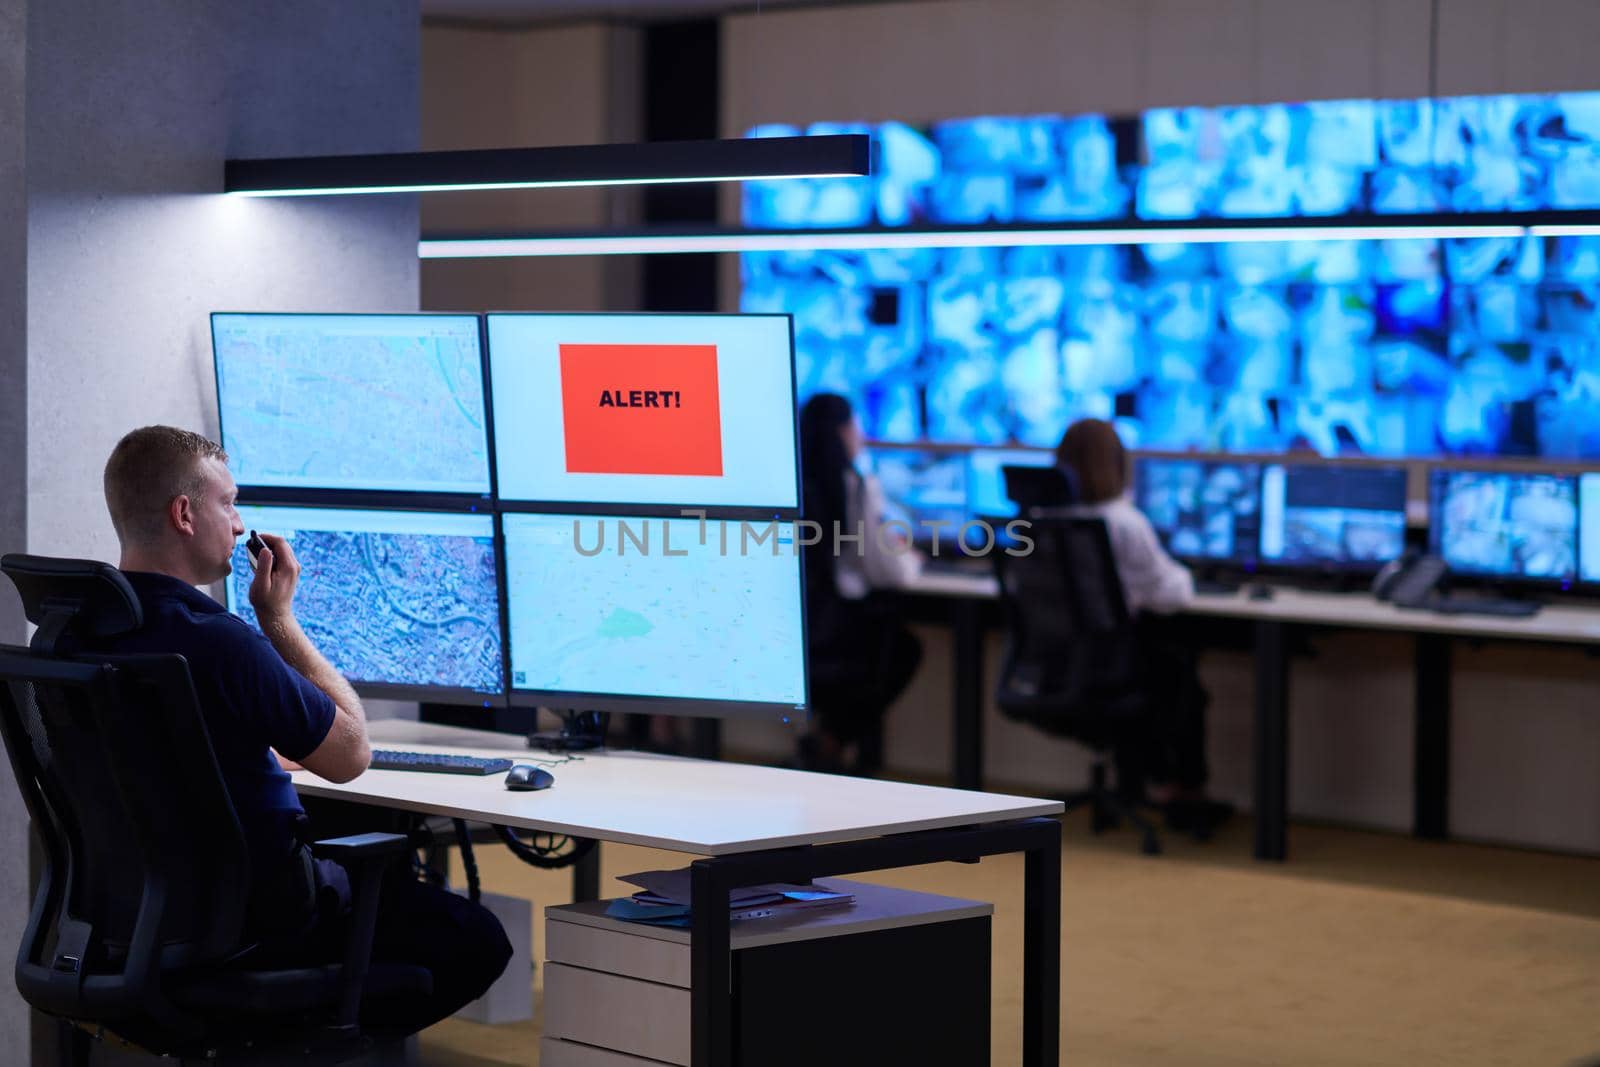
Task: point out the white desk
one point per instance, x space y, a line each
681 805
758 825
967 595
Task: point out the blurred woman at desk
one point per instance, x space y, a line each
861 655
1170 756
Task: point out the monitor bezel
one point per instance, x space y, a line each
791 512
634 703
335 496
439 694
1437 476
1268 565
1249 565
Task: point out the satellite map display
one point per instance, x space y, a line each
391 598
388 402
653 613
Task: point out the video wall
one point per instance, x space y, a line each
1423 347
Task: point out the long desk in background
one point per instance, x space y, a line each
754 825
1434 634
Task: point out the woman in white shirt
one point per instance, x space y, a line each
860 652
1172 757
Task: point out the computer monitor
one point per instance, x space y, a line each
1505 525
1317 515
655 615
1589 528
1205 511
353 402
406 604
986 486
687 410
925 489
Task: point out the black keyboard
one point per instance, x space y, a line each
384 759
958 565
1216 586
1516 609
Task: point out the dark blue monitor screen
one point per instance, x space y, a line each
925 489
1508 525
401 602
376 402
1315 515
1203 511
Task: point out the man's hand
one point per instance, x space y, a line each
277 576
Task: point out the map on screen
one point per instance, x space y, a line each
391 598
383 402
653 612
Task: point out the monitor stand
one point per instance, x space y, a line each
580 731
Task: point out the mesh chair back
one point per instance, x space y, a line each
146 865
1070 659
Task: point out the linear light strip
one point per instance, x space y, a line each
554 166
1564 230
458 188
492 247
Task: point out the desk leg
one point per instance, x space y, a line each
1272 740
1431 773
586 876
1041 955
967 759
710 967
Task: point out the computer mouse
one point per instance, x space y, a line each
525 776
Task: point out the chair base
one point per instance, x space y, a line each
1109 809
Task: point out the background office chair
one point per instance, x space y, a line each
138 919
1038 489
1071 662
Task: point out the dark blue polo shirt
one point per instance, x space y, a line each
251 701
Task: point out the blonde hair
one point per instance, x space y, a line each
149 467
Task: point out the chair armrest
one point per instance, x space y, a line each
364 856
357 847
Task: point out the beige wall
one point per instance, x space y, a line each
502 89
1526 736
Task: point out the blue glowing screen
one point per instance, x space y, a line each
1481 346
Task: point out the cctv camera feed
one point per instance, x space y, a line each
1317 515
1506 525
923 489
1202 510
1460 346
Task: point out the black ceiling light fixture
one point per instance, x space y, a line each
646 163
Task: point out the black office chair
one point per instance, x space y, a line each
138 921
1036 490
1071 664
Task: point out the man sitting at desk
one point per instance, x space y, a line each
269 697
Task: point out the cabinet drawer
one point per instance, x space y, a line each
625 1014
554 1053
618 952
